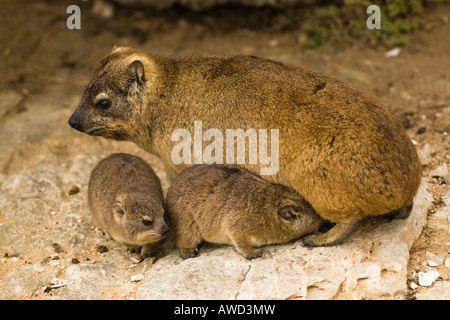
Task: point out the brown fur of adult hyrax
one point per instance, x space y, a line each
339 148
126 201
223 204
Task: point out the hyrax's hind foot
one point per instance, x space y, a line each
402 213
334 236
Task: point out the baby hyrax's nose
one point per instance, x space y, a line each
165 230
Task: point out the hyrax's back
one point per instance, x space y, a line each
339 148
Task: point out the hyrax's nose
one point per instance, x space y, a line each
73 123
165 230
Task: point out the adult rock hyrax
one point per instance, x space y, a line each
223 204
126 200
340 148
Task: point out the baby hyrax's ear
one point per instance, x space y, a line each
289 213
118 206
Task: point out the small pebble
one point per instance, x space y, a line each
422 130
434 259
102 249
134 260
137 278
57 247
54 256
74 190
426 279
413 286
55 284
447 263
54 263
431 263
10 252
392 53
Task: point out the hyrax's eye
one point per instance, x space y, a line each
288 213
103 104
147 223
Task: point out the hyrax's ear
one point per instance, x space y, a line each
118 49
118 208
114 49
136 73
288 213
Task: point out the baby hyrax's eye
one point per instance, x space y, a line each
289 213
118 208
147 223
103 104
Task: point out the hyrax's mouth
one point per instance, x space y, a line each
149 237
95 131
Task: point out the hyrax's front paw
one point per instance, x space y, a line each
133 248
187 253
244 247
256 255
149 251
252 254
310 241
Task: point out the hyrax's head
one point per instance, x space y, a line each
140 218
294 215
113 102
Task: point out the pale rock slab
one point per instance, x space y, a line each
439 291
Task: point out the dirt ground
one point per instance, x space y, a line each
38 52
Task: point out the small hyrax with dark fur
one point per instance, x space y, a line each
223 204
126 200
339 148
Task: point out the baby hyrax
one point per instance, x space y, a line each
227 204
126 200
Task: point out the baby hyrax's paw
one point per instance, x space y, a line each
254 254
189 253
